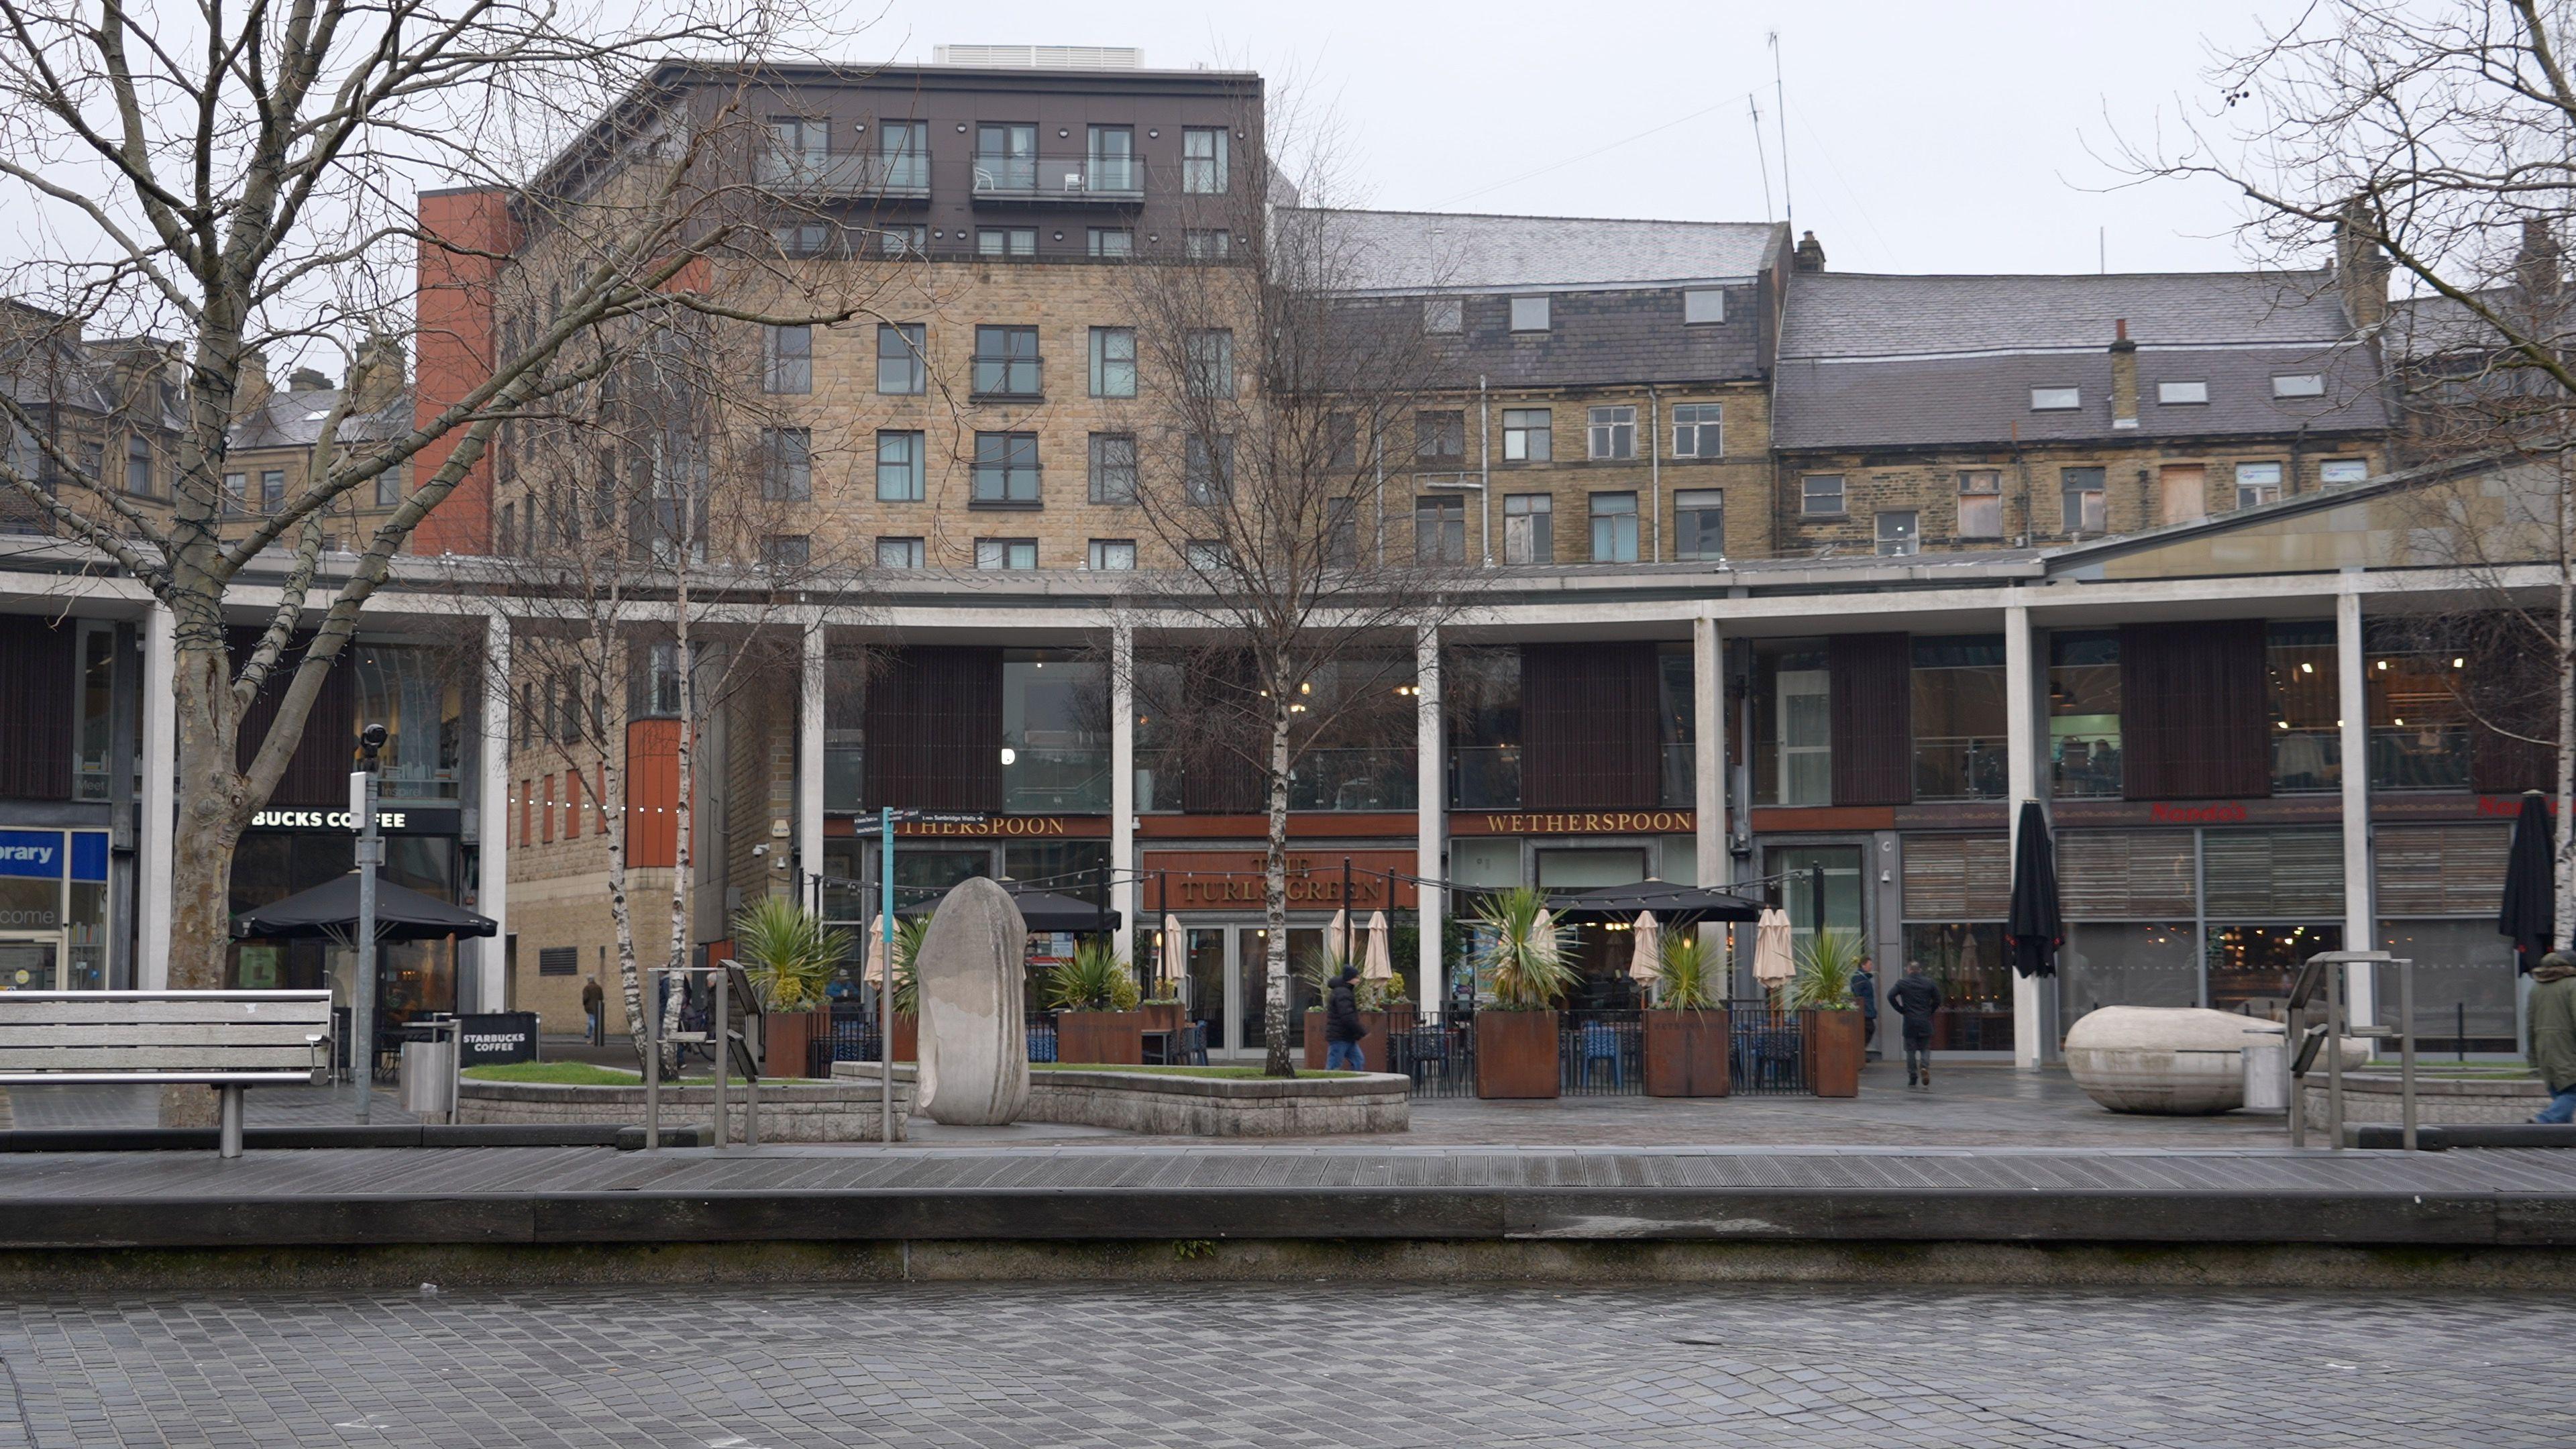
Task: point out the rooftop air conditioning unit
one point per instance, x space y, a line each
1041 57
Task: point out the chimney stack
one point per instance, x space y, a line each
251 392
1810 256
2124 378
376 377
2361 268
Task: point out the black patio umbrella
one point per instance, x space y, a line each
330 912
2529 914
1039 910
1657 898
2033 929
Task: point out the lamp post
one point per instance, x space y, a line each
371 853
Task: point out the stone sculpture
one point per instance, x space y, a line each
2171 1060
974 1027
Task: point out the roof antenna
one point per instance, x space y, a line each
2102 249
1780 88
1760 155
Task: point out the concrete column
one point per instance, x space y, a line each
492 809
159 813
1708 767
1123 893
1431 812
816 659
2023 742
2360 929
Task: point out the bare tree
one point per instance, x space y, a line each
1286 622
2438 141
240 183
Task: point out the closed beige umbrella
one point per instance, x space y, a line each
1167 958
1543 938
1648 963
1775 957
1381 958
1337 938
875 967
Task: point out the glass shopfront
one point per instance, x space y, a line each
53 910
412 977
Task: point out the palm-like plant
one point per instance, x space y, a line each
792 956
1685 977
1096 979
1523 951
1826 966
908 936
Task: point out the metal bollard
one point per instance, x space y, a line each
720 1032
652 1058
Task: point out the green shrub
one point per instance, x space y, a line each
1523 961
1686 978
1826 966
1096 979
790 955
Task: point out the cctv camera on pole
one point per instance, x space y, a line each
371 854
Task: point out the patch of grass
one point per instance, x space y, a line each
586 1074
1232 1073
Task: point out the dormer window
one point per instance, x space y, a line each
2299 384
2056 399
2173 394
1529 314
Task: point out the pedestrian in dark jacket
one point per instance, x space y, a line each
2552 1014
1342 1026
1865 994
1916 998
594 1002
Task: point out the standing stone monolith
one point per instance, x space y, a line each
974 1026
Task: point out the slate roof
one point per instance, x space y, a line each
1419 251
1909 361
293 418
1849 314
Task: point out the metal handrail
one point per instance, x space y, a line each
2330 971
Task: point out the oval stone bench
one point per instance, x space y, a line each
2178 1061
834 1111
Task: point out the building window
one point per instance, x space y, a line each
1699 523
1529 535
1981 504
1527 435
1006 362
1206 244
1006 241
1113 241
899 467
786 551
1112 161
799 148
1614 432
1114 555
1204 154
272 490
1793 732
1209 354
1614 527
389 488
1006 157
235 499
900 553
1897 535
902 239
786 465
1696 430
1440 529
2343 470
1207 555
808 239
902 364
1113 362
2055 399
1113 468
1207 472
1959 718
2301 682
1703 305
1006 468
1444 314
2257 483
1820 495
1529 314
2182 492
1342 533
1341 440
903 155
138 464
2177 394
1440 439
2299 384
2082 502
786 359
2084 713
1006 553
505 539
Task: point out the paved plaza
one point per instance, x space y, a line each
1210 1366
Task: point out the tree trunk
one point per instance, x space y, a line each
2564 916
630 981
203 839
1274 889
683 751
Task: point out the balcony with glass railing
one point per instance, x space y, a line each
2307 761
845 777
2434 757
1485 777
1353 779
1963 767
2085 767
1112 180
1055 781
1678 788
905 176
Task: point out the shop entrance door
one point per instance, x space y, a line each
28 963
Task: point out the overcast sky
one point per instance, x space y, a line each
1923 137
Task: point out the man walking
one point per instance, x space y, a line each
1865 993
1342 1026
1916 998
2553 1033
593 1003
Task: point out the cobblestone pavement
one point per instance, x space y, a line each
1343 1364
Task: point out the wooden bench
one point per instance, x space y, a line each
227 1040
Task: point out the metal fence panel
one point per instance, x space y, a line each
1601 1054
1768 1056
1440 1057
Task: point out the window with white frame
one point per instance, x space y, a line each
1614 528
2055 399
1820 495
1703 305
1898 534
2083 502
2299 384
1528 435
2182 394
1981 503
1440 528
2257 483
1696 433
2343 470
1529 534
1613 432
1699 523
1529 314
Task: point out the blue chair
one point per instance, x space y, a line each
1041 1044
1193 1047
1599 1042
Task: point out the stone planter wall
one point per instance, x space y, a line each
2374 1096
835 1111
1172 1105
